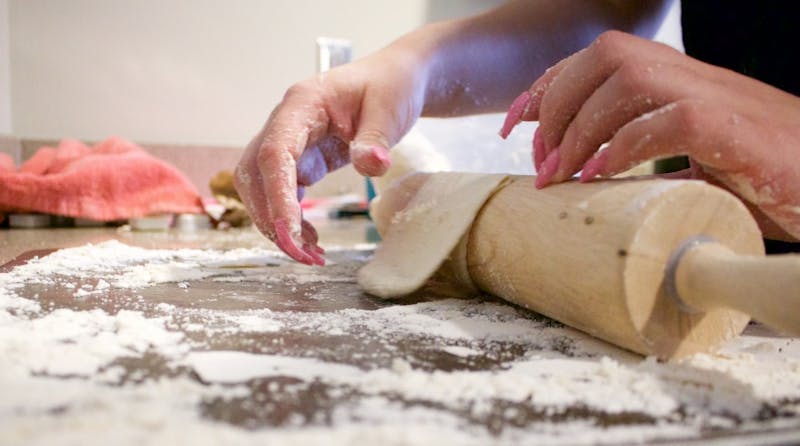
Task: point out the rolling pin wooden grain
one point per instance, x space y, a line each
660 267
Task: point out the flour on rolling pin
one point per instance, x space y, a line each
642 199
593 256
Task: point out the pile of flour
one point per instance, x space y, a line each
65 379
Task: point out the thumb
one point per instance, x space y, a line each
378 130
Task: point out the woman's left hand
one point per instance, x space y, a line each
648 101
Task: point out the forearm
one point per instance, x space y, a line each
478 64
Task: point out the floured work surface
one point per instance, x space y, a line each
108 342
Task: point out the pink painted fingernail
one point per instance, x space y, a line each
281 230
382 155
538 149
593 166
312 252
308 232
283 239
515 113
549 167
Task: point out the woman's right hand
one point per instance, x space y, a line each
353 113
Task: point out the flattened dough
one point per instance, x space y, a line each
421 219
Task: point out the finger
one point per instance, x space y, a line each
309 234
587 71
547 169
727 146
633 90
326 147
311 237
323 157
515 112
380 126
285 241
538 150
284 139
546 157
541 85
279 188
245 180
686 127
525 107
311 251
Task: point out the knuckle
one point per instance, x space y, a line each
691 117
272 157
300 89
343 128
609 44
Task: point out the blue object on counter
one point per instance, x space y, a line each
370 189
350 210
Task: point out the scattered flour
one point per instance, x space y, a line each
78 343
235 367
64 379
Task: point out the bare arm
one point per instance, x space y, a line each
358 111
477 64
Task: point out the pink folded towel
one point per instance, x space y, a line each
113 180
6 163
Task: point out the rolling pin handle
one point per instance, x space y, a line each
706 276
670 275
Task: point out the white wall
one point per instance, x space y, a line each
670 31
184 71
5 63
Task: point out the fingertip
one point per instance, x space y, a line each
286 243
312 252
308 232
310 238
514 114
539 152
593 167
382 155
370 160
548 170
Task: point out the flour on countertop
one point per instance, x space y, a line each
110 363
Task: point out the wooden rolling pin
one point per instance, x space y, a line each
664 268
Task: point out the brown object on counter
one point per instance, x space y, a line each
222 184
225 193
